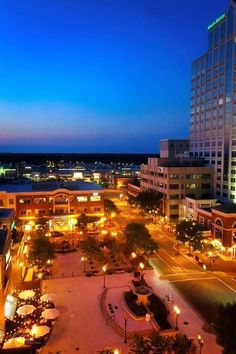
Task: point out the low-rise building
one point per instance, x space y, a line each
6 225
60 203
121 181
221 220
189 207
177 179
133 190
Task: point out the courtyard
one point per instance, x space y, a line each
81 327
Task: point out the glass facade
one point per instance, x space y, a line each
213 104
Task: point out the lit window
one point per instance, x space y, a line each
82 199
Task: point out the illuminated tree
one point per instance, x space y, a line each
110 206
41 251
149 201
190 232
138 238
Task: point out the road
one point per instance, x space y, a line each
181 270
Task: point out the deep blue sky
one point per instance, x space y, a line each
98 75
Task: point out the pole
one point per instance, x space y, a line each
176 324
84 265
104 279
125 340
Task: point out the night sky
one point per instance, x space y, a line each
98 75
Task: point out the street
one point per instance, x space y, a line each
201 288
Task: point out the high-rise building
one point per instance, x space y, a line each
213 104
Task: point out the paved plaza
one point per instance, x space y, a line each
82 328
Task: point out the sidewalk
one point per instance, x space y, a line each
189 322
219 265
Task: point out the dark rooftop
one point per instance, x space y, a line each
182 162
5 213
28 187
227 208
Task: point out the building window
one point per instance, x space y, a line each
201 220
82 199
174 186
95 197
39 200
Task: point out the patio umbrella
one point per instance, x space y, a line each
41 331
16 342
26 294
48 297
50 314
25 310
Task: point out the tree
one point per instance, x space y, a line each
149 200
182 344
90 246
43 224
132 200
138 238
83 221
190 232
110 206
106 351
140 345
225 327
110 243
41 251
160 344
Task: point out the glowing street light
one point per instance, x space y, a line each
84 259
116 351
177 312
133 255
104 269
201 343
40 275
141 266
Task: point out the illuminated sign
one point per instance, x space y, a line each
219 19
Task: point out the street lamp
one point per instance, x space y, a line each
133 255
201 343
84 259
40 275
125 320
104 269
177 312
116 351
141 266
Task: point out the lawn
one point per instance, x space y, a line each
204 294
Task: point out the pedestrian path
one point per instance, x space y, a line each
189 322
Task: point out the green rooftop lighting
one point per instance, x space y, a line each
219 19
